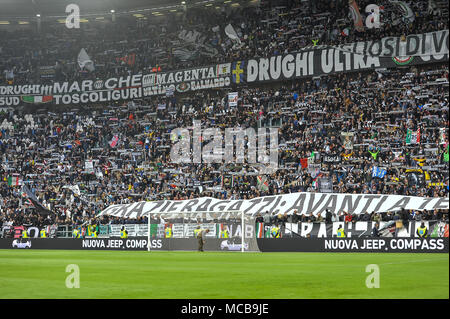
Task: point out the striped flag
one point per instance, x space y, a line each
440 230
413 137
14 181
37 98
260 230
27 201
263 185
315 183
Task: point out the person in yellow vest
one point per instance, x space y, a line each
340 232
94 231
422 231
275 232
43 233
168 231
196 231
123 233
224 233
76 233
90 230
24 234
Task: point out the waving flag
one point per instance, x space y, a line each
407 13
263 185
231 33
356 15
84 61
304 162
442 135
14 181
114 141
129 59
378 172
41 209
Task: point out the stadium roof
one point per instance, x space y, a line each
56 8
29 8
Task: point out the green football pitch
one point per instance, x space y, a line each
212 275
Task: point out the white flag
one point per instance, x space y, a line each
9 74
75 189
231 33
406 10
84 61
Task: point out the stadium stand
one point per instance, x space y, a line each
79 159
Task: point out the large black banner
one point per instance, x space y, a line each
389 52
368 245
393 228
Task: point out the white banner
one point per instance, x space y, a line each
132 229
233 99
89 166
303 203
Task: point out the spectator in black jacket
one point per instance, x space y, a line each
328 217
375 230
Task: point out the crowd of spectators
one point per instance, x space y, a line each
49 152
197 38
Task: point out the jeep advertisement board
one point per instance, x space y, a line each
367 244
136 243
361 245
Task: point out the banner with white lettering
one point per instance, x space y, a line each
388 52
302 202
393 228
119 88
